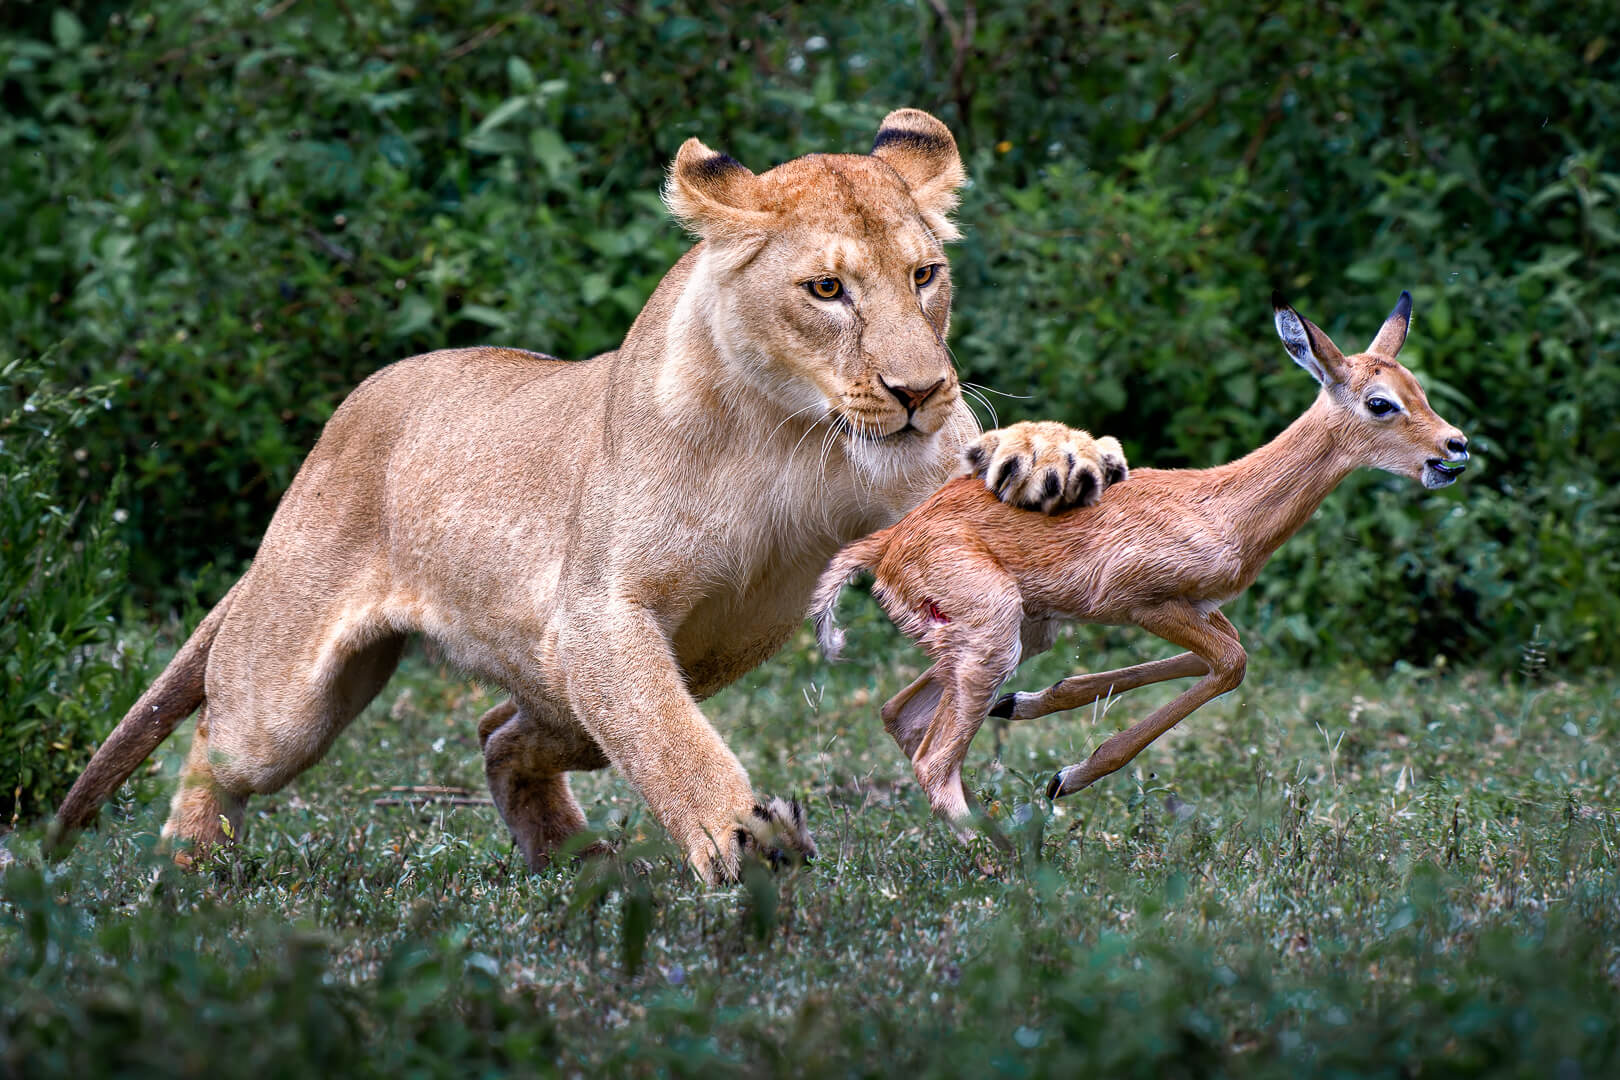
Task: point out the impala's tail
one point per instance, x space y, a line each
173 697
850 560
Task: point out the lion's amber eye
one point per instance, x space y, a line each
827 288
922 275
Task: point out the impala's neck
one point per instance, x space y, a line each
1270 493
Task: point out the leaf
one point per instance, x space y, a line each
679 28
637 925
503 112
67 30
486 316
415 314
551 151
520 74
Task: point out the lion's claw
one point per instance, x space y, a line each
1047 466
776 833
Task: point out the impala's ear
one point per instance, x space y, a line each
1311 349
1392 335
713 195
921 149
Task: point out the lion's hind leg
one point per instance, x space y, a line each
203 814
271 711
528 752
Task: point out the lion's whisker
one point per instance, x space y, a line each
998 393
808 430
972 395
799 412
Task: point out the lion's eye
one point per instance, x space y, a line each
1380 406
827 288
922 276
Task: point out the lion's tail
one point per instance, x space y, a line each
850 560
173 697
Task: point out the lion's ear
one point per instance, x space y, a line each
922 151
713 194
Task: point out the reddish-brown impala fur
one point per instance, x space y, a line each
980 584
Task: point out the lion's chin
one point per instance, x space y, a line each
899 458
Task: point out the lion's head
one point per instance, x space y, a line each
825 279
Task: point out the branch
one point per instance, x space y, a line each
493 30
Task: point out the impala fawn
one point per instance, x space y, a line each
980 584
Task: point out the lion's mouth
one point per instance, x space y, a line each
903 432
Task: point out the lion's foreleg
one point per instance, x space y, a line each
627 691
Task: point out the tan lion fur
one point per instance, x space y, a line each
612 540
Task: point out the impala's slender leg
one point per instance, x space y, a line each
1214 641
976 646
939 757
1078 690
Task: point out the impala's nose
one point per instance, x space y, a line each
1458 444
912 397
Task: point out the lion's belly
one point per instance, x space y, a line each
724 662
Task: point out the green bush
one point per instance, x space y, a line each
167 1005
64 676
176 987
241 211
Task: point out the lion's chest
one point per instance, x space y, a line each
738 625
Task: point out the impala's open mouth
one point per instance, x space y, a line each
1444 472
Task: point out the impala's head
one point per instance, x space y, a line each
824 280
1380 403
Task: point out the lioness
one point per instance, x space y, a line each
612 540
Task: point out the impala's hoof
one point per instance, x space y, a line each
1055 787
1004 706
1067 781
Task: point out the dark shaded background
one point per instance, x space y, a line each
237 211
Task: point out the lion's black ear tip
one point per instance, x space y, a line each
1277 301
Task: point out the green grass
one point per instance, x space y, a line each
1331 872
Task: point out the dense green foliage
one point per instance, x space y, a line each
1331 876
239 210
62 570
219 216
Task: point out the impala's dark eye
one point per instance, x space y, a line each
922 276
827 288
1381 406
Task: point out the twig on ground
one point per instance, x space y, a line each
438 800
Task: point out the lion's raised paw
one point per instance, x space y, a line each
1044 465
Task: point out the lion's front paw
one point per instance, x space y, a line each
1044 465
775 833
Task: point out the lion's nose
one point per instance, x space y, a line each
912 397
